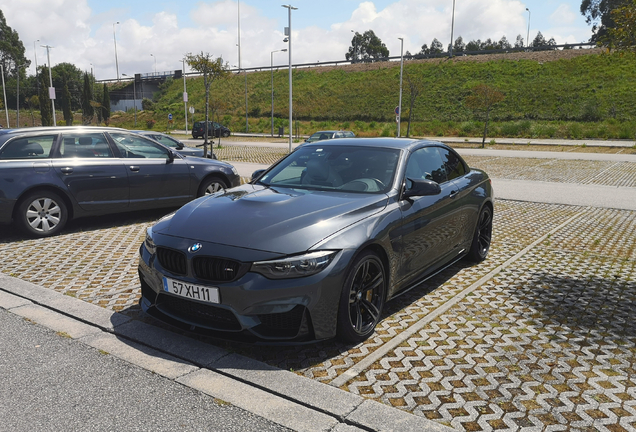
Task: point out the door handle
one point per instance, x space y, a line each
454 193
67 170
134 168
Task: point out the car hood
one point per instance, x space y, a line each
278 220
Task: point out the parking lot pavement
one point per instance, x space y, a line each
540 336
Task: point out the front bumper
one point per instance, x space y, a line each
251 307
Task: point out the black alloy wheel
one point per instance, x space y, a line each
42 214
362 299
482 237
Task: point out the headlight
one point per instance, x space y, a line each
295 266
150 245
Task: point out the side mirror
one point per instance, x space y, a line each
256 174
170 157
422 188
180 146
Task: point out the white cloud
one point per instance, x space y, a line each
84 38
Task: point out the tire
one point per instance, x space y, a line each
42 214
482 237
362 299
226 134
211 185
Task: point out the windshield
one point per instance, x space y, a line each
343 168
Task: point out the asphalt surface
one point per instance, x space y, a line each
51 382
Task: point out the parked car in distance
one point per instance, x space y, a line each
53 174
214 130
173 143
330 134
315 245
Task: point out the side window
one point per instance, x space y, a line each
85 145
33 147
426 163
134 146
454 165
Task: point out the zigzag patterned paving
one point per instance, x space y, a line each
546 342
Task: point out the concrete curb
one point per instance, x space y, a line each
274 394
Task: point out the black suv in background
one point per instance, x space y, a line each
214 130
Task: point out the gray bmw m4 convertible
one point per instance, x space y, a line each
313 247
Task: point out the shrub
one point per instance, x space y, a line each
150 123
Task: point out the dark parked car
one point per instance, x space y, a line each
314 246
174 143
332 134
214 130
51 175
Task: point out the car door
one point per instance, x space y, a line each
156 178
468 206
92 174
427 232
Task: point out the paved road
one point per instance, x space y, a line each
539 191
49 382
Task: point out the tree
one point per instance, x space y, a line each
622 37
66 106
459 46
415 84
32 102
519 42
71 75
87 98
436 47
46 111
366 46
599 14
483 98
106 104
474 45
503 43
11 49
211 69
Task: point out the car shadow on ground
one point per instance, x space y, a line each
298 356
11 233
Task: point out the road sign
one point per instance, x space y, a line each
397 119
185 96
169 116
397 110
191 109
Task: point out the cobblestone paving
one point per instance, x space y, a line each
546 342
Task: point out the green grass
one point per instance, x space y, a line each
590 96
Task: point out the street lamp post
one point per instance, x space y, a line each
17 97
272 81
35 53
51 88
399 113
355 48
185 97
153 56
134 96
450 51
528 34
115 40
289 36
4 92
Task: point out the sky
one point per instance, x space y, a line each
157 33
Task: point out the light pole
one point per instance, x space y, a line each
272 81
528 34
17 98
153 56
134 96
399 113
450 51
35 53
289 36
51 88
115 40
4 92
355 47
185 97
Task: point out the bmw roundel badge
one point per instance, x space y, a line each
195 248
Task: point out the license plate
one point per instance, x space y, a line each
191 291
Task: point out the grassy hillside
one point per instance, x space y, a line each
589 95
